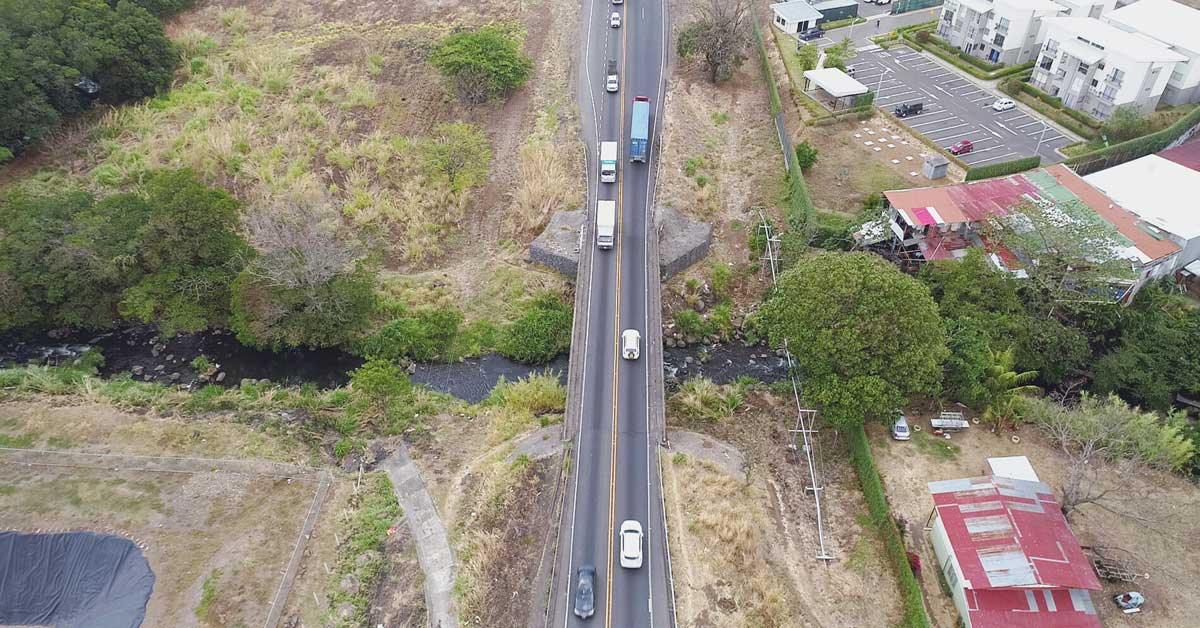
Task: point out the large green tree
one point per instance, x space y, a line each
867 336
482 63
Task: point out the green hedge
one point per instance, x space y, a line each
776 103
881 517
1058 116
1057 103
1139 146
1004 168
798 211
829 26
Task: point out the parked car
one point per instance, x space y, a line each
1004 104
631 344
631 544
617 1
812 33
962 148
585 592
900 429
614 20
908 109
850 70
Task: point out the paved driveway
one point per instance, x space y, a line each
956 109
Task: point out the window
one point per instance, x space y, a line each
947 16
1110 92
1116 75
1046 62
1100 66
1083 68
1095 82
1176 76
1003 23
1095 13
998 39
1051 45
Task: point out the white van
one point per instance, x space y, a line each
606 224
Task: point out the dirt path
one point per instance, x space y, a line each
433 547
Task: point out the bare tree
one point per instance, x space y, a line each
1087 444
721 34
299 245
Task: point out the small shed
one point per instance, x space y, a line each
935 167
794 17
1015 467
836 83
835 10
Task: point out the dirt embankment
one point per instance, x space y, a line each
769 516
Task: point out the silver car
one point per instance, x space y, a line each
900 429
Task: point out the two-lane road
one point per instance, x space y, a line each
615 472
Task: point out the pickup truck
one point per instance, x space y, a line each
611 82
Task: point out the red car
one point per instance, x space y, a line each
962 148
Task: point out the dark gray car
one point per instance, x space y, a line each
585 592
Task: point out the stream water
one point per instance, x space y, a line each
148 356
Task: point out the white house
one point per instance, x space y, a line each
1176 26
1095 67
1161 190
1086 8
794 17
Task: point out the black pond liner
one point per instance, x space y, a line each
72 580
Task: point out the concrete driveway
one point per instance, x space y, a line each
956 108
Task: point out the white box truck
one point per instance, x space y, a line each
608 162
606 224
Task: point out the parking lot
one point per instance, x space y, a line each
955 109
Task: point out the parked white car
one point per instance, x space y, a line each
900 429
614 20
631 344
631 544
1004 104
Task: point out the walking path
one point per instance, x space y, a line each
433 546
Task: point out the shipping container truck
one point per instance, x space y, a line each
608 162
639 138
606 224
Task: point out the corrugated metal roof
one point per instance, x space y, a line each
1026 608
1010 533
1185 155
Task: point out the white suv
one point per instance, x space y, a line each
631 544
614 20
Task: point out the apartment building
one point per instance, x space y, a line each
1000 31
1095 67
1176 26
1085 8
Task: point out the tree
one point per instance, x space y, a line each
189 255
806 155
1002 387
970 356
808 55
866 335
836 55
422 335
159 7
1046 345
483 63
1072 252
1157 353
307 286
1125 123
721 34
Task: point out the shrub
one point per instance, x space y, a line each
922 36
536 394
700 399
689 322
328 314
1125 123
482 63
808 55
542 332
422 335
806 155
720 278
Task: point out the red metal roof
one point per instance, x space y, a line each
1031 608
1185 155
1124 220
1009 533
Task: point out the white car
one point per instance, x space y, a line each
611 84
614 20
900 429
631 544
631 344
1004 104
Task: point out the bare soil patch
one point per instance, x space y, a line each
1164 542
851 590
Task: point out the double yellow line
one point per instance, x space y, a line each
612 467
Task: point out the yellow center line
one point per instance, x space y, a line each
612 467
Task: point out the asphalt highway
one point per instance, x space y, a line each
614 472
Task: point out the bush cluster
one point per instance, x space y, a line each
48 48
421 335
542 332
1003 168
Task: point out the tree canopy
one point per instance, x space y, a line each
721 34
482 63
866 335
47 46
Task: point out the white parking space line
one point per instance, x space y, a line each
981 99
1030 124
922 115
933 76
974 162
943 130
929 122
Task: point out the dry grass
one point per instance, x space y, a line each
727 569
545 186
